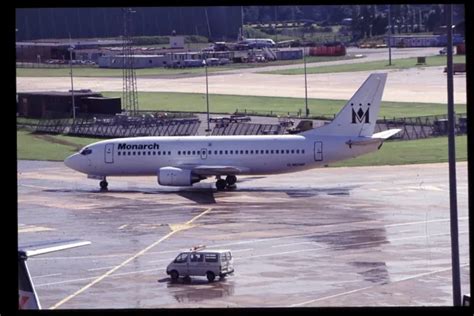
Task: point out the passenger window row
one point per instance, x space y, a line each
215 152
243 152
144 153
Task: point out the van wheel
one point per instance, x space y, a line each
174 275
210 276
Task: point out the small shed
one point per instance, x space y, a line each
101 105
139 61
287 54
59 104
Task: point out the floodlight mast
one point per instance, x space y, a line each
204 62
389 35
70 49
456 275
305 85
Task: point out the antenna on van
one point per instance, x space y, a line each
198 247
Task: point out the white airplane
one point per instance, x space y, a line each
183 161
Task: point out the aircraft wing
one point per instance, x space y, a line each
376 138
51 246
28 299
204 170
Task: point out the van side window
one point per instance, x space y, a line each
181 258
211 257
197 257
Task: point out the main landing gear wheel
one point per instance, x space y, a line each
231 180
221 184
103 185
228 183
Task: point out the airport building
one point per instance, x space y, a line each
59 104
422 40
139 61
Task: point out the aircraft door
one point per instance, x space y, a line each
318 151
203 153
109 153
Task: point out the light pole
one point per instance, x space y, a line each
389 36
305 84
70 49
456 274
207 96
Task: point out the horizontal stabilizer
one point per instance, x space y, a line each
386 134
376 138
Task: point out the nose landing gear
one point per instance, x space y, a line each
103 185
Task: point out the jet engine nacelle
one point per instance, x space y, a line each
172 176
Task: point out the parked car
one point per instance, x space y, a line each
212 61
240 118
197 262
193 63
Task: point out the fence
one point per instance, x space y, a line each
183 124
248 129
107 126
422 127
55 65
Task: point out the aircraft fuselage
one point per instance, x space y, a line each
141 156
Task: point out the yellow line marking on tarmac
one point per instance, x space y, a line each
174 229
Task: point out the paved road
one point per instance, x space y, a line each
365 53
408 85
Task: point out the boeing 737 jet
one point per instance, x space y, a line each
183 161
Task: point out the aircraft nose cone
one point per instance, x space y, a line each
75 162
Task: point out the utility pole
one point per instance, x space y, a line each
452 164
70 49
207 97
208 25
305 84
241 22
389 36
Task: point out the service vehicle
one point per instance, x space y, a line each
197 262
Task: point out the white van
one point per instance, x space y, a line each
209 263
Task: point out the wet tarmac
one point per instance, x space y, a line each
366 236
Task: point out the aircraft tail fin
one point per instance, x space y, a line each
359 115
28 299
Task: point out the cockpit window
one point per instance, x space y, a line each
86 151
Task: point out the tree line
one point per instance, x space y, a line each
224 22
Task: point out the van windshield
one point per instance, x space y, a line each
181 258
